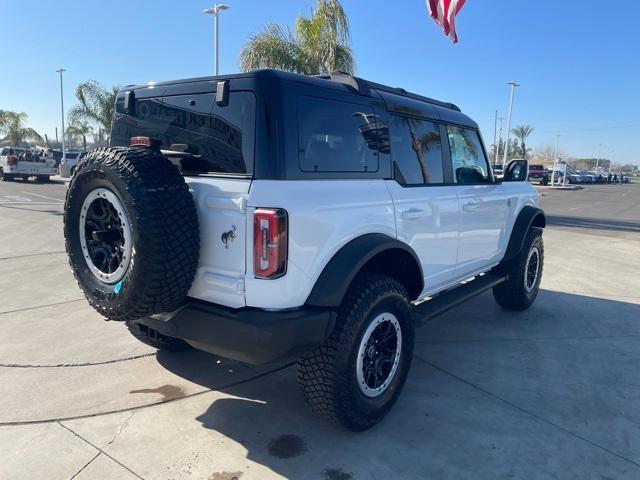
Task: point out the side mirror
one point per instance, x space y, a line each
516 171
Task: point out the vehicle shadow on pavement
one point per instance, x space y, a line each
593 223
542 386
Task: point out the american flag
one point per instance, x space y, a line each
444 13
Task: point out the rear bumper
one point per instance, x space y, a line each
249 335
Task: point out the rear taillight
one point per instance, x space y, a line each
270 238
11 160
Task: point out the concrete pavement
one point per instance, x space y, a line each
552 392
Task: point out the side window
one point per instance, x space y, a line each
467 157
195 134
335 136
416 150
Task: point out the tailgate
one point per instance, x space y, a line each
35 168
222 208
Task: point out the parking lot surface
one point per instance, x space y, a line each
553 392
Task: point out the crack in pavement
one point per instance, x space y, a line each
32 255
41 306
525 411
122 427
99 451
71 365
147 405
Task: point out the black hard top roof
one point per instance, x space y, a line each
337 80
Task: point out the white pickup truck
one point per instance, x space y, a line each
24 163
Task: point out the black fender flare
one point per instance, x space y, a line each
332 284
528 217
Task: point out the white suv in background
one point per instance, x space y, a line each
68 163
268 215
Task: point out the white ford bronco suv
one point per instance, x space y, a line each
268 216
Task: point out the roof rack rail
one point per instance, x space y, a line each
364 87
404 93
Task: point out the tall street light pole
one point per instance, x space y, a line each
598 158
557 147
500 119
61 71
506 147
215 11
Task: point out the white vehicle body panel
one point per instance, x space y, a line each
518 195
222 210
428 220
324 215
483 210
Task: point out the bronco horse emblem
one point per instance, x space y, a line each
229 236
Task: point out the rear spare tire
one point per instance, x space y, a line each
131 232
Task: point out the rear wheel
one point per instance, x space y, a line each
42 178
355 377
7 177
524 272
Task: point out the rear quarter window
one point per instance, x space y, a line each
336 136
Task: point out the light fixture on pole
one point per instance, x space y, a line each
61 71
215 11
506 146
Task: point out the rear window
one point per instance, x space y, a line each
194 133
335 136
536 167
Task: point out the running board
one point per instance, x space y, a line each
445 301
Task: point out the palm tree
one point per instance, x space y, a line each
96 104
80 129
320 44
13 125
522 132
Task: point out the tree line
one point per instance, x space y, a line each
89 120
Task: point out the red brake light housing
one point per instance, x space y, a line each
140 142
270 242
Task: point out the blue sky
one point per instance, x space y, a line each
577 60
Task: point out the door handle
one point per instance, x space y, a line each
471 206
414 214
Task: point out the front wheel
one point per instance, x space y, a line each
356 376
524 274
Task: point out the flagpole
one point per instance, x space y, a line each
506 146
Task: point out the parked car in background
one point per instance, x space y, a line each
538 173
571 178
587 177
600 177
24 163
68 162
497 169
